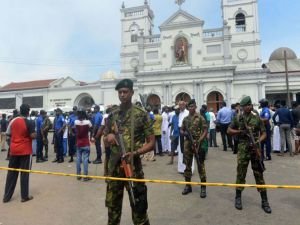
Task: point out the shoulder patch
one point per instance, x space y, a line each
115 110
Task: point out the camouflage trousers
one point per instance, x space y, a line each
243 159
188 156
114 201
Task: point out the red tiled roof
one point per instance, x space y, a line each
27 85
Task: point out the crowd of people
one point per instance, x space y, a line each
145 133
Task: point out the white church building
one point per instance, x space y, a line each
184 60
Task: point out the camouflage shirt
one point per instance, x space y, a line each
252 121
121 119
195 124
142 126
46 126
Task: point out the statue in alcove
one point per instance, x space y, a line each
181 51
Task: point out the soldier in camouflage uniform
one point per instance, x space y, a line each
143 141
245 151
46 126
196 125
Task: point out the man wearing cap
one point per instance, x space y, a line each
265 117
39 137
134 124
196 125
96 122
240 126
59 131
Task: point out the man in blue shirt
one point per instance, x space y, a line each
265 117
59 131
96 122
175 132
224 119
39 137
72 133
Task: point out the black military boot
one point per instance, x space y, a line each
46 154
238 200
188 188
71 159
203 192
264 202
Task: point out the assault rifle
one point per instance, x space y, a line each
195 148
125 164
254 149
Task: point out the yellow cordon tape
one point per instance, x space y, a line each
156 181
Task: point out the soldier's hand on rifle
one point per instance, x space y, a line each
111 139
243 132
129 155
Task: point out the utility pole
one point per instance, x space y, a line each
287 80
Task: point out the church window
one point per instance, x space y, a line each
134 33
134 38
240 22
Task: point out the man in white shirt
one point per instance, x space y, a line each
165 129
212 129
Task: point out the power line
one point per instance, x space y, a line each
58 64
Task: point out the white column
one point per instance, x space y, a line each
260 94
170 99
200 94
164 92
102 98
228 92
294 96
19 100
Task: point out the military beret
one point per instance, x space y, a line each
125 83
246 101
192 102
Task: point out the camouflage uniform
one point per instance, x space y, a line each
244 153
195 125
46 126
115 189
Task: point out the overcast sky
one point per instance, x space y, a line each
45 39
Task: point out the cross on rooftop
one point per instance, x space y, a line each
179 2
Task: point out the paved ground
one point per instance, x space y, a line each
66 201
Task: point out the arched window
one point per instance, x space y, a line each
214 100
134 29
240 22
182 97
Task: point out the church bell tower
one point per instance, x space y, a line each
136 23
242 18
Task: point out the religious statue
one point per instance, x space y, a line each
181 51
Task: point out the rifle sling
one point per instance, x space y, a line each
132 135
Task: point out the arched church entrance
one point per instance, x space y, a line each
84 101
182 97
214 100
154 101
